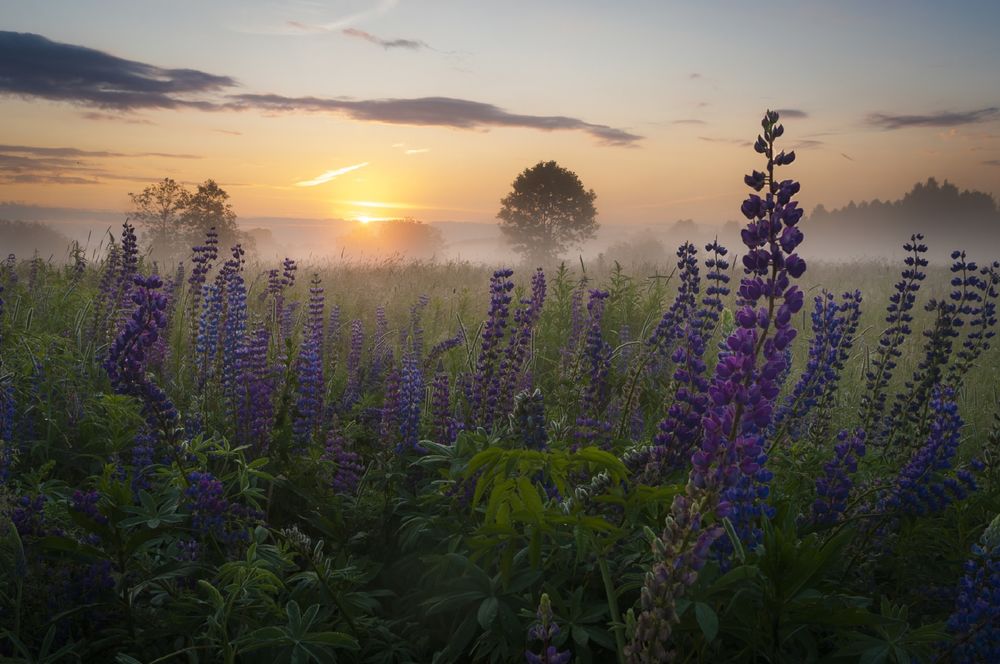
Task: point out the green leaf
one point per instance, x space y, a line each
488 612
707 620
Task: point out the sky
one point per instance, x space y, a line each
430 108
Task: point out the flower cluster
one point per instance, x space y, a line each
410 403
444 427
728 477
347 469
528 420
309 407
545 630
212 515
484 389
973 624
834 486
981 306
352 392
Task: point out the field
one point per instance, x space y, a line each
726 457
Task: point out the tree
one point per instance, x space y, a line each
158 210
547 211
174 219
209 207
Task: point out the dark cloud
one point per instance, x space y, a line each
409 44
77 152
992 162
116 117
846 156
694 75
33 66
434 111
943 119
787 113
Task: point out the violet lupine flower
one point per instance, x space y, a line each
347 472
728 477
671 323
545 630
390 415
973 624
442 347
834 486
126 360
834 326
514 367
890 342
570 348
85 502
332 335
256 409
234 342
592 426
414 336
309 408
203 257
982 307
411 399
352 391
7 416
28 516
211 514
925 484
484 393
381 352
444 427
207 341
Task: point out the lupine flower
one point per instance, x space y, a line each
347 470
898 317
545 630
126 360
442 347
973 625
28 516
834 486
207 341
514 369
484 388
834 326
203 257
981 306
212 515
85 502
728 476
234 342
925 485
411 399
352 391
7 415
256 409
381 352
309 408
444 427
592 427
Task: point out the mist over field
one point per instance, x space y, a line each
563 332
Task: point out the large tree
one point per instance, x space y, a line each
174 218
547 211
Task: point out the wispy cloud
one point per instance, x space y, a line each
25 164
77 152
33 66
731 141
416 151
435 111
788 113
846 156
942 119
378 9
408 44
689 121
330 175
992 162
116 117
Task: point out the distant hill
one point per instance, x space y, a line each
949 219
23 238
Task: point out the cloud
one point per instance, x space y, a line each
434 111
846 156
33 66
694 75
116 117
992 162
417 151
30 164
791 113
380 8
942 119
77 152
731 141
408 44
689 121
330 175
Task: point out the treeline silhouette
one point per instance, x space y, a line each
948 218
24 238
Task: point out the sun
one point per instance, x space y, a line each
364 219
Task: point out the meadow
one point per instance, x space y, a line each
731 456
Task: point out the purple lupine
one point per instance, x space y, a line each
411 399
834 486
439 349
85 503
126 359
212 515
444 428
728 477
207 341
571 346
7 415
309 407
390 415
28 516
890 342
256 409
347 471
981 306
592 425
381 352
332 336
352 391
414 336
974 628
203 258
234 341
834 326
671 323
545 629
926 485
514 369
484 388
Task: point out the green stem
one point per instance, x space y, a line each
617 626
